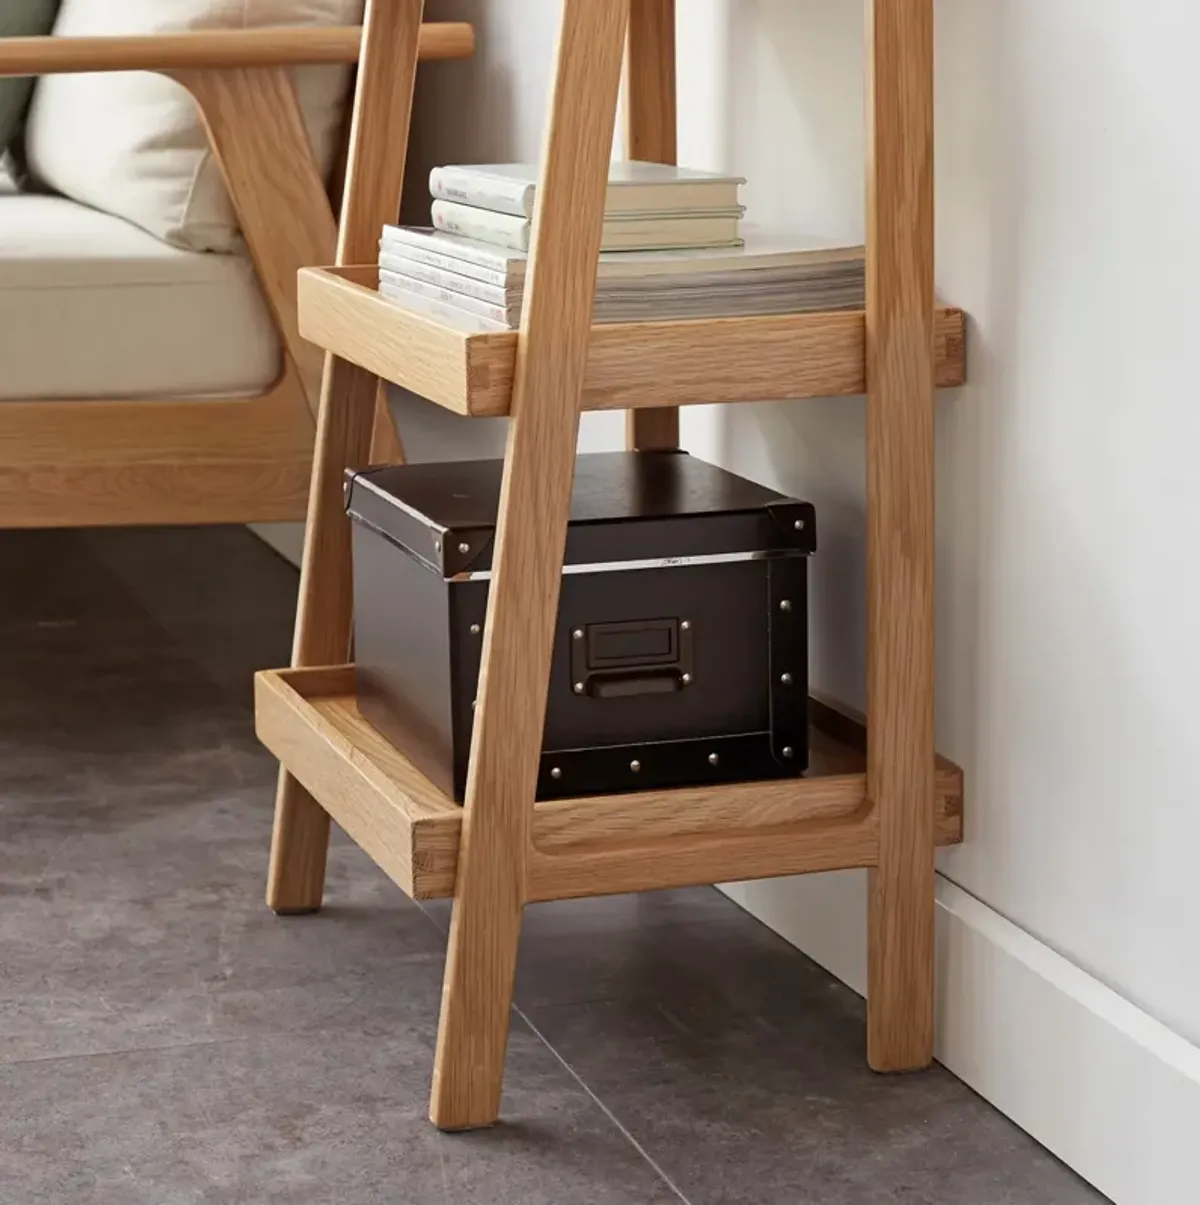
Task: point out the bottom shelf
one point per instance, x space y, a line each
587 846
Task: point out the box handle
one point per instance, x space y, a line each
634 657
624 686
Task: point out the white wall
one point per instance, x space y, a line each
1069 504
1069 184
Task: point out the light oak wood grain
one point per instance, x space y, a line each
880 803
900 531
386 445
374 176
449 360
591 845
214 48
650 136
535 492
111 461
255 125
811 846
372 791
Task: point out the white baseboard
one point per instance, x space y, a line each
1111 1091
286 538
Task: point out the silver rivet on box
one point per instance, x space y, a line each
785 604
686 679
686 625
555 772
475 629
635 765
578 688
577 634
786 679
799 525
464 548
437 546
788 751
713 760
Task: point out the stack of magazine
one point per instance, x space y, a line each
757 272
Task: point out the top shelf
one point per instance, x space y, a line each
468 368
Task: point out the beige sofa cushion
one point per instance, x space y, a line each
132 144
91 306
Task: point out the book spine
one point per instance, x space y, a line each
411 253
393 281
452 246
484 192
499 229
494 294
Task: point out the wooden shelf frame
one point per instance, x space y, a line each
885 807
462 365
593 845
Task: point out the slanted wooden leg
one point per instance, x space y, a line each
650 136
386 445
300 839
900 748
375 173
530 538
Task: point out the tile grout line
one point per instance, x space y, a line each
117 1052
612 1117
575 1075
637 1146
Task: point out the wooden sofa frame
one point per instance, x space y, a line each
107 462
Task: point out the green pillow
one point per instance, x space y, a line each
20 19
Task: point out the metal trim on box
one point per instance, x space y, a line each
666 562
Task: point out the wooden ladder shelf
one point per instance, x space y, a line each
884 804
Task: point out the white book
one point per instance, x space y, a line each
762 249
440 278
504 273
633 187
627 232
483 225
392 284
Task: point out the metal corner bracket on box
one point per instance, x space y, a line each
878 797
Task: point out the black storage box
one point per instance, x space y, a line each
681 653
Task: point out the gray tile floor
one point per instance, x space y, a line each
164 1039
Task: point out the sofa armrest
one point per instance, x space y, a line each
284 46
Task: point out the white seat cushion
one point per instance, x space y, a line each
91 306
133 144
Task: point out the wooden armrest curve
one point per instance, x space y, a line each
280 46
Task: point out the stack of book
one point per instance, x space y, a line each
649 206
483 273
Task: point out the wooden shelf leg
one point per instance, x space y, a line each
539 466
386 445
650 135
900 537
378 143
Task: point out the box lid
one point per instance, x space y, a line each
626 507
